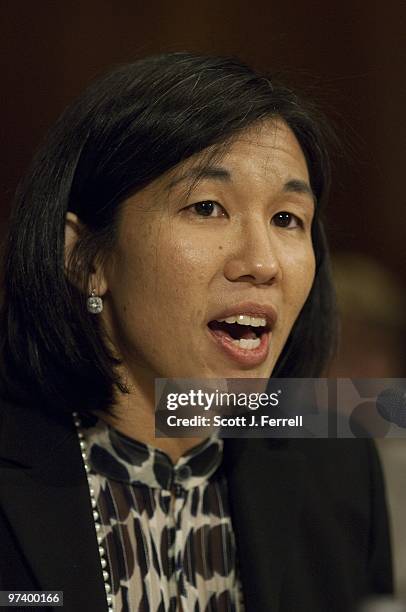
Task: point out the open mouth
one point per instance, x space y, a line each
243 331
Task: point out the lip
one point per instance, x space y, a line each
246 357
265 311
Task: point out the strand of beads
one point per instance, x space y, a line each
96 517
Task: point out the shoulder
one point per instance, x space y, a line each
349 460
343 467
29 433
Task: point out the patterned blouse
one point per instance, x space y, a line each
167 527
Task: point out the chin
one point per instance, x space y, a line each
244 373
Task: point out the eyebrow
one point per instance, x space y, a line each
221 174
299 186
213 172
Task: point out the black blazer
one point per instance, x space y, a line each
309 517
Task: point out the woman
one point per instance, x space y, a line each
175 193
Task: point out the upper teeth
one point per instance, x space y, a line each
245 320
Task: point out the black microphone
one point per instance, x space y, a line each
391 405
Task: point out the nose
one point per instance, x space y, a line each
254 258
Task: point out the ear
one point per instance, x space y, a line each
74 229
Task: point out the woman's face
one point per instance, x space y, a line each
237 246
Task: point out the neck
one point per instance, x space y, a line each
134 415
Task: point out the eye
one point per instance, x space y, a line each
207 208
287 220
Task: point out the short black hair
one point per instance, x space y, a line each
127 129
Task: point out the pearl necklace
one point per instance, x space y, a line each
96 516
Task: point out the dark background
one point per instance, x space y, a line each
350 55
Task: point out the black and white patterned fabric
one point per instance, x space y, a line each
167 527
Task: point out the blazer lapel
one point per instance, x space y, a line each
55 531
265 492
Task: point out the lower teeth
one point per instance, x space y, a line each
247 344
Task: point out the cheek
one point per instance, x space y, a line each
186 264
300 272
132 278
165 275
